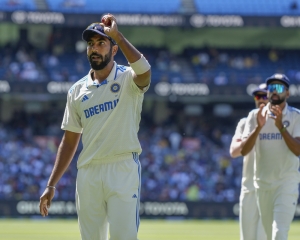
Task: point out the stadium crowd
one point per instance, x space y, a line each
65 61
182 159
179 161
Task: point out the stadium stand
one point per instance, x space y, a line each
226 7
13 5
21 62
91 6
248 7
195 166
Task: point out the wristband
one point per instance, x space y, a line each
283 129
140 66
48 186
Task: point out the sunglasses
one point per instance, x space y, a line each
279 88
263 97
98 27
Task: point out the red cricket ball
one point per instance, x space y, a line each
106 21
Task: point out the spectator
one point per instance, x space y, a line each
29 72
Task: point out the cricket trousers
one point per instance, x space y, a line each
250 223
277 209
108 198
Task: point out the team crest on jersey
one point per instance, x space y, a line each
115 87
286 123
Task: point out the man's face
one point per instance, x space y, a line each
277 92
99 52
260 98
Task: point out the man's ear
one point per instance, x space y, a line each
287 93
115 49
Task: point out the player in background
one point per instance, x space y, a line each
250 223
273 131
104 108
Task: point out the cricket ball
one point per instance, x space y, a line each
106 21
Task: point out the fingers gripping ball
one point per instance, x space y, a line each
106 21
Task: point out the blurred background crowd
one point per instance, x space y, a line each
182 159
64 61
185 156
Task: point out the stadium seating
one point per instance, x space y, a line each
170 170
13 5
118 6
207 65
28 150
248 7
245 7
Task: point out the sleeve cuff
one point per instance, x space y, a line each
72 129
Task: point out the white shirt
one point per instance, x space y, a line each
248 161
107 115
274 161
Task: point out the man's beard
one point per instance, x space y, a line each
99 66
276 101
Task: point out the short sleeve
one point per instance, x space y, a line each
249 124
296 131
134 87
239 129
71 120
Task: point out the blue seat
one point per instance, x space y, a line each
247 7
119 6
28 5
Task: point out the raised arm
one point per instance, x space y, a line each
138 63
293 143
249 142
235 146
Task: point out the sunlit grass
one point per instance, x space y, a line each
46 229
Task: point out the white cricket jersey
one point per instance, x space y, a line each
248 160
274 161
107 115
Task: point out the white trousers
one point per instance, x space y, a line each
250 223
108 197
277 209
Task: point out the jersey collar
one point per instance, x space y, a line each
111 76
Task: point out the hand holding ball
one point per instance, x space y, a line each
106 21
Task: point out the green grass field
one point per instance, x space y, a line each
43 229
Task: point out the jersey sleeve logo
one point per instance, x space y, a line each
115 87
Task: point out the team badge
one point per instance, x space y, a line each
115 87
286 123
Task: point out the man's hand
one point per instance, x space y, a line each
276 110
261 117
110 26
45 201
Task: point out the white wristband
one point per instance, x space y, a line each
140 66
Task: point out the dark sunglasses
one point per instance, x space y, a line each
263 97
98 27
279 88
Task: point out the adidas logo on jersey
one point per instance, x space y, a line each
134 196
85 97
